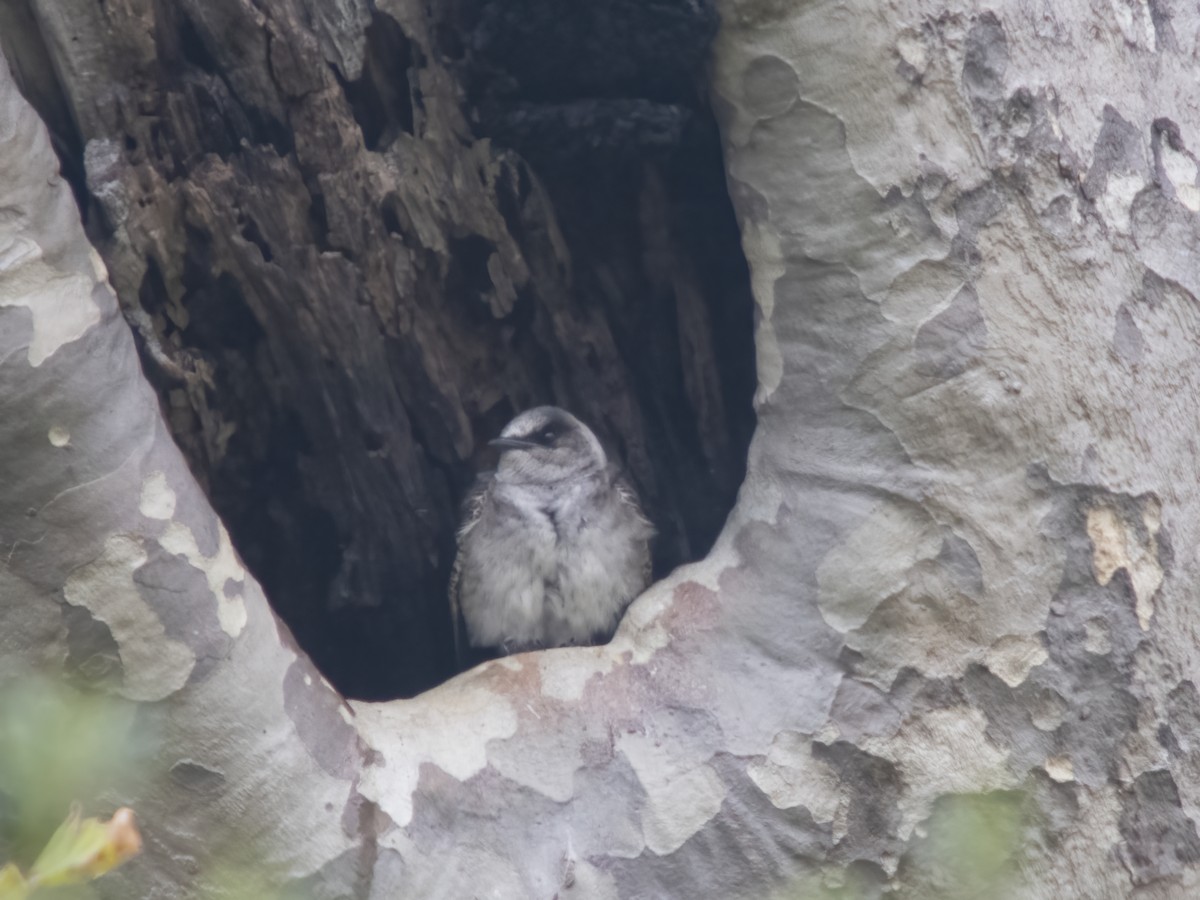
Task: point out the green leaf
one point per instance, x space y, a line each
13 885
84 849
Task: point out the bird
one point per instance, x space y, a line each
553 544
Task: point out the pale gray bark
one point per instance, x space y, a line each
962 562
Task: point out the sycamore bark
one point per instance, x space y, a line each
946 643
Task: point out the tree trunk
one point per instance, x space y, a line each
944 646
344 277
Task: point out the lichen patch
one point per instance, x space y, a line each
219 570
642 632
1060 769
1117 546
791 776
158 500
911 49
154 666
1013 657
944 751
682 793
766 269
1180 168
679 808
1117 200
565 675
448 727
61 303
894 538
1048 710
1096 636
1108 544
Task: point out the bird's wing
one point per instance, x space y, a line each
472 509
627 494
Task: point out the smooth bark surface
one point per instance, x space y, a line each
958 578
973 233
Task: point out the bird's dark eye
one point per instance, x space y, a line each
546 435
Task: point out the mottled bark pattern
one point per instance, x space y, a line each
946 645
979 219
341 288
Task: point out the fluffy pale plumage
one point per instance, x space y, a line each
553 545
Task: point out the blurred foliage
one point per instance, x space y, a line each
59 747
968 849
835 884
79 851
64 750
230 882
971 847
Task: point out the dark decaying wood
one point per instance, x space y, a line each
354 240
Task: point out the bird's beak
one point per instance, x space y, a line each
503 443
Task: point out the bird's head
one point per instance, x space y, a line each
547 444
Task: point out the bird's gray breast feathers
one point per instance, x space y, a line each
542 566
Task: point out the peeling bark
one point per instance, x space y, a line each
954 596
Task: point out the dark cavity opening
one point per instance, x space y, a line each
350 390
467 278
381 98
193 48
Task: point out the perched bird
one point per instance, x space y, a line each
553 544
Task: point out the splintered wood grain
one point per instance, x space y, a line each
341 292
